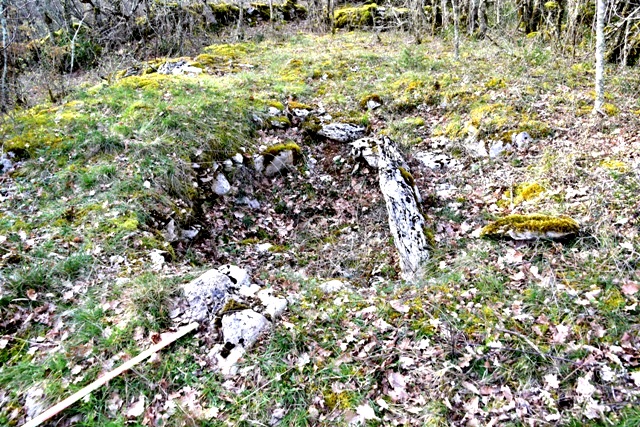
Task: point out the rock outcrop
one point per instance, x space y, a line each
402 199
342 132
225 296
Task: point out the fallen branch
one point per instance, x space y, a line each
106 378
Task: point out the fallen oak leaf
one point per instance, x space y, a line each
398 306
366 412
630 288
136 408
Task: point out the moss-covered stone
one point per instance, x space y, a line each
279 122
355 17
311 125
274 150
371 97
533 226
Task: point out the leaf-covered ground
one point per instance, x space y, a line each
498 333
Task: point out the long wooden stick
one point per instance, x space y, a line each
105 379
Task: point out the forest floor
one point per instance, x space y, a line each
498 333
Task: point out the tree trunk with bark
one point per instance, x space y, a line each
600 46
4 88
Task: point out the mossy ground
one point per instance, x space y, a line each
103 172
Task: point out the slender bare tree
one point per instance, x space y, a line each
456 28
600 46
4 89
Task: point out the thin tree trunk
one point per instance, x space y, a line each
456 29
445 15
73 44
600 46
240 19
471 25
482 18
4 90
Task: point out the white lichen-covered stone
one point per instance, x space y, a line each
177 68
273 112
365 149
536 235
237 158
372 104
273 306
406 221
239 277
331 286
280 163
221 185
6 165
499 148
243 328
258 163
437 160
522 140
300 112
342 132
226 363
207 295
35 402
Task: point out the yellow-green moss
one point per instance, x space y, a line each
229 51
276 104
232 306
128 223
299 106
311 124
151 81
355 17
534 222
492 117
414 121
208 59
274 150
613 300
615 165
535 128
522 193
496 83
341 400
610 109
406 175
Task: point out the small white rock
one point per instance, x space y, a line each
221 186
239 276
243 328
274 306
238 158
331 286
522 140
282 161
263 247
